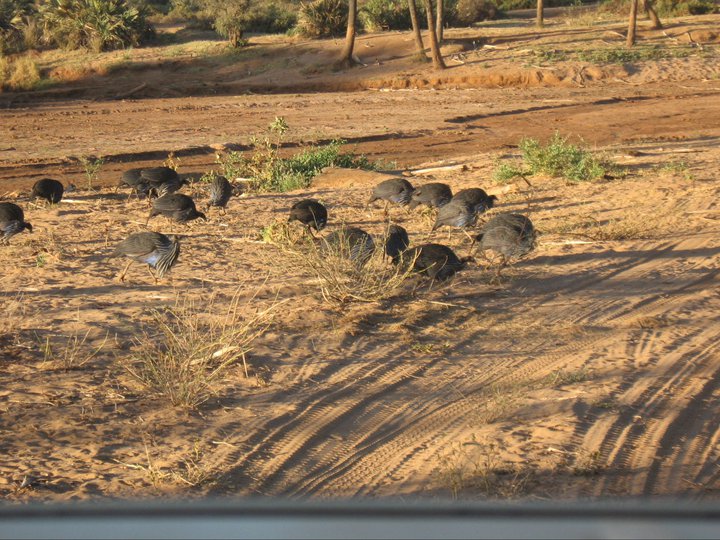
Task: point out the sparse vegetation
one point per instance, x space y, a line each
268 172
74 353
559 158
475 469
341 279
185 351
91 166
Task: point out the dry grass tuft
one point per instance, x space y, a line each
341 279
476 469
185 350
74 353
12 313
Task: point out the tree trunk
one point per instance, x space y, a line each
539 16
632 24
439 20
346 58
434 47
650 10
416 31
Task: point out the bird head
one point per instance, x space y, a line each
27 226
491 201
202 215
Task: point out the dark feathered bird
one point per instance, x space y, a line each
310 213
154 249
12 221
351 243
159 175
510 235
166 188
220 192
396 242
133 179
395 190
476 198
434 195
48 189
177 207
456 213
435 260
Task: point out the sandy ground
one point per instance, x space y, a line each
590 370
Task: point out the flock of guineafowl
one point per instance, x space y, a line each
508 235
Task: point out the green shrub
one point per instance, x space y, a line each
560 158
322 18
377 15
98 25
15 15
271 17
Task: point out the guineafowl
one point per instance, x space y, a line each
155 249
310 213
12 221
395 190
456 213
351 243
477 198
166 188
159 175
510 235
434 195
220 192
435 260
396 242
48 189
133 179
177 207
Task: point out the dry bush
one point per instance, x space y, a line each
21 74
475 468
185 350
342 278
73 354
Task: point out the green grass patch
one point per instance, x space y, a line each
559 158
617 55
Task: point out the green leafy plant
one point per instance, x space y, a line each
92 166
98 25
322 18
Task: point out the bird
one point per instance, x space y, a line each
434 195
155 249
510 235
456 213
220 192
437 261
477 198
310 213
351 243
166 188
159 175
48 189
177 207
396 242
133 179
12 221
395 190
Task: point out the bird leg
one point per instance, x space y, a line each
385 211
153 274
121 275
